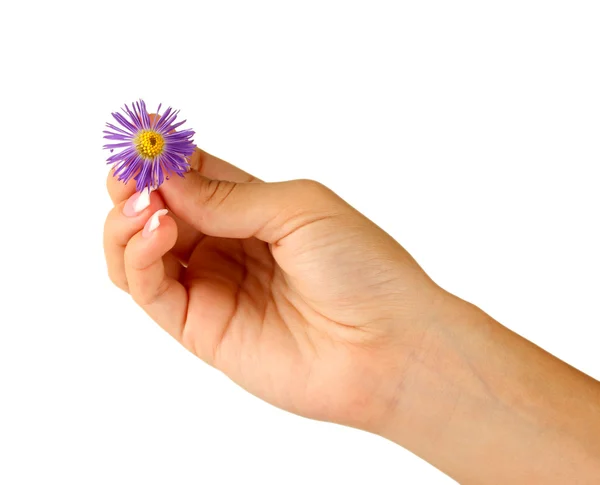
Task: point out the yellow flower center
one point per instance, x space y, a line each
149 143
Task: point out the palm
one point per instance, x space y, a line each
248 319
241 318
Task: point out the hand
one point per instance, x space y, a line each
284 287
307 304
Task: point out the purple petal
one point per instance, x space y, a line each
117 145
115 136
124 122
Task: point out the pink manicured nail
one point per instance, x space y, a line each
137 203
153 222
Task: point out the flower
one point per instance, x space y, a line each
151 148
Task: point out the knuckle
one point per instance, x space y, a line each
114 214
118 280
131 259
108 222
311 185
313 189
317 193
216 192
145 298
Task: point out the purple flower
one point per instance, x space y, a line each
151 149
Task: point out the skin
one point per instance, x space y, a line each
304 302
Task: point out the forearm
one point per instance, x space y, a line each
486 406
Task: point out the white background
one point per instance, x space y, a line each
469 130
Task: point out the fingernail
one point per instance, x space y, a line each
153 222
137 203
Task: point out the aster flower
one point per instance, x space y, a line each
151 149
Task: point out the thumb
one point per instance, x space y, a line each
267 211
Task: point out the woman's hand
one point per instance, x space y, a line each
284 287
307 304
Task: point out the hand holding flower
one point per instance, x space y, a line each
304 302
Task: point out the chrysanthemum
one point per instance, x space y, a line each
151 148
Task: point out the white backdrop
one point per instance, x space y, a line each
469 130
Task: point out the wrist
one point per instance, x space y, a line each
486 406
435 376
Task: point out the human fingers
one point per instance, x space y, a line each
122 223
211 167
268 211
150 282
202 162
